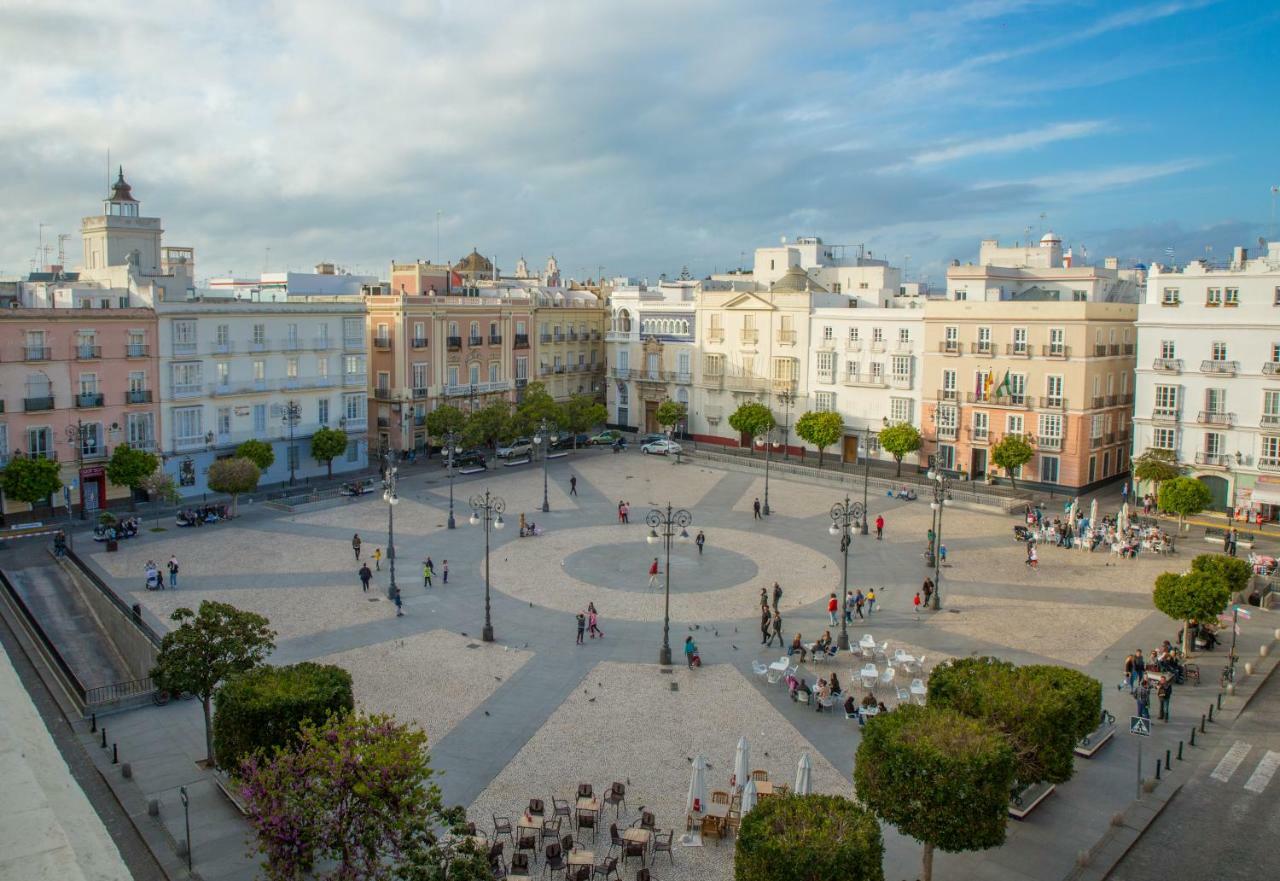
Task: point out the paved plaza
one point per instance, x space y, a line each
534 714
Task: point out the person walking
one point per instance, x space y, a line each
377 559
879 527
621 504
766 621
859 600
1139 668
916 603
1231 549
848 608
653 573
395 597
1033 558
1127 682
355 545
428 572
755 506
365 575
593 621
626 512
942 554
444 571
833 606
582 626
700 541
573 485
764 599
1164 692
871 600
173 571
777 594
777 629
1142 696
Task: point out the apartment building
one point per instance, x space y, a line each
1208 386
75 384
570 348
652 347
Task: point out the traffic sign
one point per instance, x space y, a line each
1140 725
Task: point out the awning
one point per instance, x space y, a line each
1266 493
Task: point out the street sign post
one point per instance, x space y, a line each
1141 726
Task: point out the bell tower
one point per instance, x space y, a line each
120 236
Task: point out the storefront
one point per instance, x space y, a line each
93 487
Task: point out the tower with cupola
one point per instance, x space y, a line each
120 235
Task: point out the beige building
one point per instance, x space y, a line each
570 347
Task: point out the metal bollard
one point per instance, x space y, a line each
115 753
1168 760
104 736
93 722
1219 700
1202 723
1193 735
1157 769
1210 712
1179 750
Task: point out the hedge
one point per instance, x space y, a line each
808 838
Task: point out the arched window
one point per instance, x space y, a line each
624 317
475 329
453 328
682 396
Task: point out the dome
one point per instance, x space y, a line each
796 280
121 191
1049 238
475 262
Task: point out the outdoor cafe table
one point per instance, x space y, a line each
720 812
763 787
582 858
589 804
533 824
637 834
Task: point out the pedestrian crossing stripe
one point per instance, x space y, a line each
1231 761
1262 774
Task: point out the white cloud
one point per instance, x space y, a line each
1010 143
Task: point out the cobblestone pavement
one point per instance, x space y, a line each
535 713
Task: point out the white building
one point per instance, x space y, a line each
269 287
234 370
1208 385
1041 272
651 347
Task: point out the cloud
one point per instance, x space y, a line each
1010 143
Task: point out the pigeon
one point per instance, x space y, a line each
591 700
526 645
464 633
735 628
499 678
486 712
735 648
766 752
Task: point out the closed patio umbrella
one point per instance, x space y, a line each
1093 512
804 786
741 763
748 797
696 804
1122 522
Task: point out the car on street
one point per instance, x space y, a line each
466 459
605 438
567 441
650 438
521 446
661 447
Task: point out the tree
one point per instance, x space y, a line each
160 487
234 476
808 838
259 452
1155 466
899 440
1198 595
129 467
939 777
445 419
353 800
488 425
30 479
264 708
582 413
327 444
536 406
1184 496
1042 710
820 428
208 647
753 419
1011 452
669 414
1236 573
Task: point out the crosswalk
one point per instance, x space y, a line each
1234 758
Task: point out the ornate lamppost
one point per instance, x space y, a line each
544 438
669 521
941 486
389 473
291 415
487 508
76 435
768 436
845 517
451 441
786 399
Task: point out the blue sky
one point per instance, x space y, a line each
642 136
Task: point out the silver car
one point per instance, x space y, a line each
521 446
661 447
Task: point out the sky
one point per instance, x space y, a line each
638 138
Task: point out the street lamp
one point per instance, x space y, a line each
290 417
845 517
76 436
941 499
544 439
389 472
786 399
488 508
451 442
767 436
866 475
669 521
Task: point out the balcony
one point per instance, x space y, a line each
384 394
558 336
1124 399
223 347
715 335
187 347
495 339
88 353
188 389
262 345
1220 368
1216 417
420 391
866 380
743 382
1100 351
1017 350
521 341
453 343
750 336
354 425
1097 403
475 342
573 336
994 400
853 345
1110 437
292 344
137 396
418 342
623 372
900 380
384 422
382 342
1127 348
1213 460
86 400
788 338
1166 414
1113 349
1167 365
1271 368
320 343
37 353
137 350
948 432
353 344
877 346
979 436
350 379
1269 420
1267 463
1053 403
187 444
32 405
1052 444
1056 351
949 347
544 337
982 347
480 388
948 394
419 420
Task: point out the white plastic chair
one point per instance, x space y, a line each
882 650
904 696
886 678
760 668
918 691
870 673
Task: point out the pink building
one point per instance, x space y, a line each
75 383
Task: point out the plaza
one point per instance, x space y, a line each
533 714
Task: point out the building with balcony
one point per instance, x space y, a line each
75 383
231 370
569 349
1208 386
651 351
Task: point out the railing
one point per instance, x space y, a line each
88 353
382 342
495 339
1100 351
420 391
384 422
1055 350
558 336
750 337
479 388
867 380
223 348
31 405
982 347
877 345
1098 403
419 420
453 343
353 379
292 344
573 336
900 381
37 353
948 394
383 394
1049 443
180 348
1112 400
788 337
715 335
1221 368
321 343
544 337
1164 414
1113 349
475 341
948 432
521 341
1270 419
1017 350
89 399
1267 463
183 444
418 342
105 694
1053 403
1128 348
1219 460
949 347
1167 365
853 345
994 400
354 426
1215 417
1271 368
137 350
262 345
353 344
1124 399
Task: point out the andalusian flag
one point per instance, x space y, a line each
1004 389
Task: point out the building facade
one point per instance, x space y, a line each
652 351
570 348
1208 386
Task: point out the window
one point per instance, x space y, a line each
981 425
853 331
1168 349
946 456
712 365
88 383
824 402
951 338
353 406
904 335
186 377
902 368
785 369
522 366
877 334
682 362
259 370
353 449
184 334
826 366
899 410
948 385
39 442
291 335
828 333
291 368
1215 400
1053 390
1017 388
1013 423
384 381
420 380
223 370
138 428
947 418
259 419
1270 451
224 421
877 371
259 334
473 373
1051 425
353 330
322 411
137 343
322 331
187 423
1164 439
495 371
322 367
1048 469
1166 400
382 335
1057 344
1214 444
1271 408
1020 341
1096 426
137 380
520 328
1213 297
1218 352
353 365
1170 297
984 339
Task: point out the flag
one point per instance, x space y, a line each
1004 389
986 386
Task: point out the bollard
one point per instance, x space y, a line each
1210 712
1219 700
93 722
126 770
115 753
1168 761
1202 723
1193 735
1179 750
104 736
1157 769
1264 650
1248 668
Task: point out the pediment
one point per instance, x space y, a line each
749 301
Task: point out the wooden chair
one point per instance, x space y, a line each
642 875
760 776
519 864
551 829
536 808
566 844
734 818
633 849
502 826
615 839
554 861
711 828
609 866
617 796
560 807
586 819
719 797
580 873
781 789
648 821
661 845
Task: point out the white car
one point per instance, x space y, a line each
661 447
522 446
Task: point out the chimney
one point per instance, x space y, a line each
1239 256
1111 262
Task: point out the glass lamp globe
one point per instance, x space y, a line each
499 523
834 529
684 535
475 520
652 537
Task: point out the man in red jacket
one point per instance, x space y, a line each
833 607
653 573
879 527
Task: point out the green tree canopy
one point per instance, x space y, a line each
536 406
1011 452
29 479
900 439
234 476
1155 466
820 428
582 413
488 425
1184 496
208 647
444 419
160 487
327 444
670 414
808 838
1236 573
259 452
1198 595
129 467
752 418
938 776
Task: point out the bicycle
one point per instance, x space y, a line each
1228 675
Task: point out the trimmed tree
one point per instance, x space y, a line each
1156 466
259 452
536 406
327 444
669 414
488 425
808 838
129 467
353 800
937 776
160 487
1198 595
1011 453
898 440
752 418
820 428
1236 573
208 647
264 708
445 419
31 480
581 413
234 476
1184 496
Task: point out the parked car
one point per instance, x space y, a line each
466 459
650 438
521 446
605 438
566 442
661 447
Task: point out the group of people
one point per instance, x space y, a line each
125 527
854 604
528 528
1168 667
624 512
1069 532
588 622
155 578
202 514
771 618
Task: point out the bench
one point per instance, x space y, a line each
511 463
474 469
1215 535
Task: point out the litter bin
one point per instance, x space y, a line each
112 546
